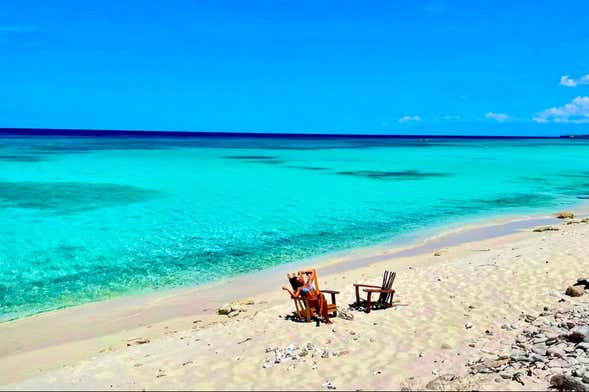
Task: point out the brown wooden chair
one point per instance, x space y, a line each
305 312
385 291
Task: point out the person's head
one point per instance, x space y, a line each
296 282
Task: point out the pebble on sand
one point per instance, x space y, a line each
575 291
565 215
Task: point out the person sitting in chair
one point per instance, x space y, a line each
303 286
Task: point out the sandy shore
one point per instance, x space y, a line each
485 277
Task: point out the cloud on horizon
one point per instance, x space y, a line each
497 116
406 119
569 82
575 112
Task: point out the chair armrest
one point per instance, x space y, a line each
378 291
330 291
366 285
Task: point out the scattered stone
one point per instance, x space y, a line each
468 325
563 382
329 385
575 291
553 346
579 372
529 318
345 314
230 309
579 334
446 346
292 353
583 282
246 301
440 383
137 341
224 310
565 215
545 228
539 349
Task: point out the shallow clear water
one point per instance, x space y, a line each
83 219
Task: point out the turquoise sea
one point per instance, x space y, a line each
89 218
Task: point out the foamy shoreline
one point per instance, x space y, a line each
66 337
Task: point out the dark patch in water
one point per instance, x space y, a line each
310 168
534 179
583 174
399 175
271 161
511 200
68 250
22 158
267 159
70 197
250 157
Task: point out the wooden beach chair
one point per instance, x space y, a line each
305 312
385 291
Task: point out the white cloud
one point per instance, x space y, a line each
497 116
576 111
570 82
405 119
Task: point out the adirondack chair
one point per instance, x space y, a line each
385 291
304 311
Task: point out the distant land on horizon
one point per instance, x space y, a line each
259 134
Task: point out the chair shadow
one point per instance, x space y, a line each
357 306
294 319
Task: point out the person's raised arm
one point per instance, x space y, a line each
294 294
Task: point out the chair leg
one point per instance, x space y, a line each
357 295
368 305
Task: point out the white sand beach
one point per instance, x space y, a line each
452 308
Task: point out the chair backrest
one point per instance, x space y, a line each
316 281
387 283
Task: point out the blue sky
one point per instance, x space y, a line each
305 66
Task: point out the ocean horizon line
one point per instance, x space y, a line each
81 132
